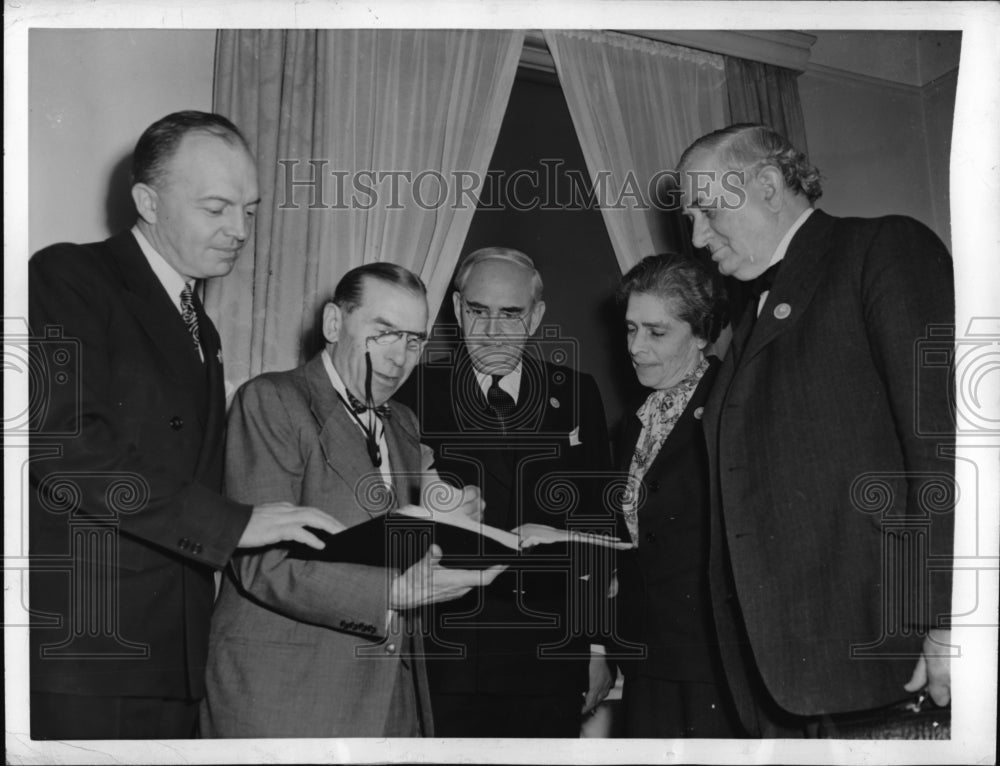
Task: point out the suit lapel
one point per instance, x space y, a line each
155 312
403 445
803 269
341 440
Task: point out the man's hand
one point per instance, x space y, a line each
276 522
933 669
601 681
427 582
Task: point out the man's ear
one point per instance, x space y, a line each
771 185
332 318
535 318
146 201
456 303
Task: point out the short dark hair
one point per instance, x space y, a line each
746 144
696 288
350 289
159 141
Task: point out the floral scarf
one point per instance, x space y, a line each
658 415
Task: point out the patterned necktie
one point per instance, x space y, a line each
189 315
499 400
358 406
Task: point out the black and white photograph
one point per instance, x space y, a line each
531 382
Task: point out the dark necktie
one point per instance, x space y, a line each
762 284
358 406
499 400
189 315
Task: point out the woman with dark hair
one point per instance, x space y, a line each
674 309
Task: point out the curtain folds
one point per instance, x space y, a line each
636 105
766 94
371 145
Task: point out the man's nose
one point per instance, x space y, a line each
237 226
701 232
396 353
493 327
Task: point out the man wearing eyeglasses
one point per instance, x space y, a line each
511 660
306 648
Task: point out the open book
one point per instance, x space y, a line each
401 538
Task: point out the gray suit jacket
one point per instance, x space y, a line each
302 648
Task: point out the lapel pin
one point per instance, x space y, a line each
219 356
782 310
554 402
698 413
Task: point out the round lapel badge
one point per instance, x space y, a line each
698 413
554 402
782 310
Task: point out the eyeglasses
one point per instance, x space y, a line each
506 317
415 341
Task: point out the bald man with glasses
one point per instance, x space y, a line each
504 413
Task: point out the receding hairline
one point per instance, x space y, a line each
506 255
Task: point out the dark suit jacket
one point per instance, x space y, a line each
549 468
823 483
127 523
663 595
302 648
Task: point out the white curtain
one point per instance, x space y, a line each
394 127
636 105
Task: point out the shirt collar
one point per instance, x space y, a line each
511 382
172 282
335 380
786 240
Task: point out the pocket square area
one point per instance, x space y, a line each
574 437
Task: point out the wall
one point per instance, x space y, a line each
871 142
879 108
91 93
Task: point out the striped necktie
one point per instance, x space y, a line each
189 315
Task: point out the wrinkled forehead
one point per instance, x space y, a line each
392 306
701 179
499 282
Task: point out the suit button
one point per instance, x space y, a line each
390 649
653 486
183 543
176 423
650 537
197 548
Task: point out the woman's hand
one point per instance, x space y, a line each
534 534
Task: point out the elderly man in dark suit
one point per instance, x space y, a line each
315 648
127 522
831 551
512 660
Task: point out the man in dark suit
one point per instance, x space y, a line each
832 508
513 660
127 523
